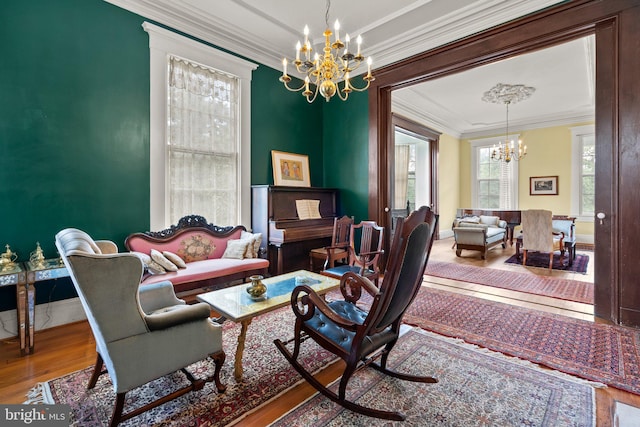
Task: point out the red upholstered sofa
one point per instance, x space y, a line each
201 246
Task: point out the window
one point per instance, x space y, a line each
583 172
488 180
412 170
494 184
202 143
200 137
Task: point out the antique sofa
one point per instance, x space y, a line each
200 255
479 233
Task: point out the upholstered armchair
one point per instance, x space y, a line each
141 333
479 233
538 234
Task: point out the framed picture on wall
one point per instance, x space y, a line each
543 185
290 169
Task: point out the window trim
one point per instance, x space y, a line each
577 132
163 43
488 143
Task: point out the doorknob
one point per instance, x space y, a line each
386 209
600 216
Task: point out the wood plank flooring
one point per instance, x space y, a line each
71 347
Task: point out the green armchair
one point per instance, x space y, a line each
141 332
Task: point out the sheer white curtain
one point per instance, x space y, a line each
507 201
203 143
401 176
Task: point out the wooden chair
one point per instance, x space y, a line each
358 336
365 261
339 243
538 234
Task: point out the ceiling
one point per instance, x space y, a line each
267 30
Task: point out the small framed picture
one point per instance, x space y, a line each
290 169
543 185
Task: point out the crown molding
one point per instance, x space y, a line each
465 21
531 124
214 31
418 115
454 26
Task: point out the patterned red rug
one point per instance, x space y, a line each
571 290
598 352
266 374
541 260
474 388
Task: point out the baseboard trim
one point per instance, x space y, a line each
445 234
47 316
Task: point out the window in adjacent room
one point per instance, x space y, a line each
583 172
200 132
494 184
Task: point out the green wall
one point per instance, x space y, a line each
346 152
283 121
74 126
74 122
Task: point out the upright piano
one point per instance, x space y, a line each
287 239
511 217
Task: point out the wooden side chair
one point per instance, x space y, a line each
338 251
359 336
538 234
366 261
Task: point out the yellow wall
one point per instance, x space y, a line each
549 154
450 181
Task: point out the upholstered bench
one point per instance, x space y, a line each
479 233
203 255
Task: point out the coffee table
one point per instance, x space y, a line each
235 304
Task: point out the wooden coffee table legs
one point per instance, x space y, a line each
237 364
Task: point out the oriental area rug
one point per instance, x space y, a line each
598 352
266 374
541 260
571 290
475 387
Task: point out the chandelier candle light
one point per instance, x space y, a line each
508 94
325 72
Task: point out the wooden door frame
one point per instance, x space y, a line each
433 136
609 21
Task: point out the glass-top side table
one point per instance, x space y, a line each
17 275
35 272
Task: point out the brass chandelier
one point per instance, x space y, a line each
325 72
508 94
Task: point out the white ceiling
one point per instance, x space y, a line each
563 77
267 30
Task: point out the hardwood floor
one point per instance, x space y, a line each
71 347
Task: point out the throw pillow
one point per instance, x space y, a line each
149 264
471 219
174 258
236 248
254 249
489 220
163 261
